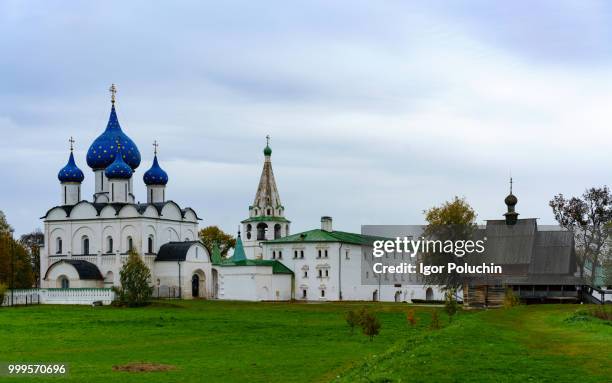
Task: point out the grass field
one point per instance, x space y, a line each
265 342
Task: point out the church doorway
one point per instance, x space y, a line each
195 286
429 295
398 296
198 284
375 295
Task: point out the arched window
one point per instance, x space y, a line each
58 245
269 212
150 245
109 244
130 244
248 230
85 245
262 228
277 231
64 282
287 229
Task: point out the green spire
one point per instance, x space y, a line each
216 254
238 251
267 149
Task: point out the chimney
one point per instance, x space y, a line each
326 223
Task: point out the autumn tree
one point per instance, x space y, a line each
212 234
588 218
15 261
353 319
32 243
370 325
454 221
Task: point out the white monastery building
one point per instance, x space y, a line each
87 242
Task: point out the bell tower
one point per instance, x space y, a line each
267 214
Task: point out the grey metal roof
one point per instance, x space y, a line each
174 251
86 270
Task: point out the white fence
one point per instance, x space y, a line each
80 296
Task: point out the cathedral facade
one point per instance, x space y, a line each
87 241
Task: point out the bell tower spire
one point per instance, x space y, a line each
267 214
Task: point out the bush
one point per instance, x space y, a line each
135 289
411 318
601 312
511 299
450 304
370 325
435 321
352 319
3 290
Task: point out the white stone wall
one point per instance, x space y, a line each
253 283
343 273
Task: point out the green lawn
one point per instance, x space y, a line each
539 343
264 342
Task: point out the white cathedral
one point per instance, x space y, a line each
87 242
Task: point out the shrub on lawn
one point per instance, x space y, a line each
411 318
3 290
450 304
435 321
370 325
352 319
601 312
511 299
135 289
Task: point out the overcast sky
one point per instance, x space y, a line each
377 109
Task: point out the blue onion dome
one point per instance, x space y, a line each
71 172
119 168
102 150
156 175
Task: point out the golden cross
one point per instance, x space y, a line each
113 92
155 146
71 140
268 140
510 185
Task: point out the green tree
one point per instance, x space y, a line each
212 234
450 304
454 221
134 275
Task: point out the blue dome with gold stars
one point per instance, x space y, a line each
119 168
71 172
156 175
103 150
